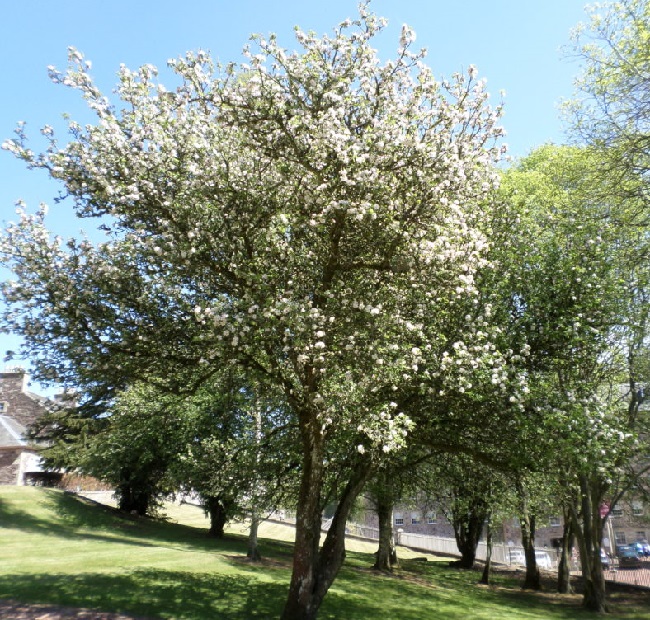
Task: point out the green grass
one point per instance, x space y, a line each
58 549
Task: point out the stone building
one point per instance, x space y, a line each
19 460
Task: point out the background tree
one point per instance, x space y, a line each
569 293
612 106
130 445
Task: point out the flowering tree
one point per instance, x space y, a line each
578 300
310 217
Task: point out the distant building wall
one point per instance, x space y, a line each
19 408
9 465
16 401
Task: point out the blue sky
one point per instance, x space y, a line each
515 44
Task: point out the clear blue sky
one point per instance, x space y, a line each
515 44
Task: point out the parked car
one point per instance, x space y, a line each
605 560
628 557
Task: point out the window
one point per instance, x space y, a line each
399 518
637 508
415 518
617 511
554 521
640 535
620 538
3 407
431 518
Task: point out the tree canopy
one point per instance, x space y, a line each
310 217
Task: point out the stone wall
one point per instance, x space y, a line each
9 465
19 404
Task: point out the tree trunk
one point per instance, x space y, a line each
564 569
314 570
485 577
386 552
532 580
468 527
588 526
253 551
300 605
217 511
132 498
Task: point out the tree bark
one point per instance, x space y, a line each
314 570
132 497
532 579
253 552
564 568
386 552
218 512
588 526
300 605
468 526
485 577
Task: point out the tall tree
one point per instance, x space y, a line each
612 106
309 217
570 292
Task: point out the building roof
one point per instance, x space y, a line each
12 434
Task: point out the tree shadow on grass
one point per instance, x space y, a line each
72 517
153 593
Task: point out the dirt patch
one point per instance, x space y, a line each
12 610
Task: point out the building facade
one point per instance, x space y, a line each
19 408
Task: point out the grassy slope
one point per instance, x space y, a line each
56 548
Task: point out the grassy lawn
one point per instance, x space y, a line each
58 549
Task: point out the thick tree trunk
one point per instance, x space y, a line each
588 526
300 603
131 497
485 577
253 552
386 553
532 580
564 569
468 527
314 570
218 513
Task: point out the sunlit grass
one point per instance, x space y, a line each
59 549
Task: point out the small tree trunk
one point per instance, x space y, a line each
485 577
386 552
563 569
588 526
532 580
253 551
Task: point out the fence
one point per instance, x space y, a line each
637 574
503 554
